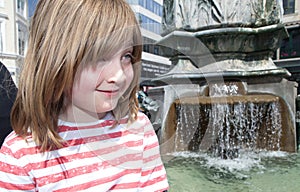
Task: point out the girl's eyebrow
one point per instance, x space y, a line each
127 48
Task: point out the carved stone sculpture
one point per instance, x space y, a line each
196 14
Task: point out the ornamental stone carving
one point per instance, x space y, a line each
193 15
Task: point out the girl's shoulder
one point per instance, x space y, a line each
13 143
142 118
142 121
13 138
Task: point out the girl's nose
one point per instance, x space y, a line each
115 71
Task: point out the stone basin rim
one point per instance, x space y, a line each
210 32
226 74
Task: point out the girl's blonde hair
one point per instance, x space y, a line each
63 35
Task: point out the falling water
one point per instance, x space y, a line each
234 126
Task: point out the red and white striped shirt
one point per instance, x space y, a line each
96 157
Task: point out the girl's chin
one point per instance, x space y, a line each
106 108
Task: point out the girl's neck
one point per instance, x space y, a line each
80 116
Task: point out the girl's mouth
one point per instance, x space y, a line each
109 93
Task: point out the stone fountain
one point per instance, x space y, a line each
224 93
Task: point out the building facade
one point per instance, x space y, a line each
13 34
288 55
149 14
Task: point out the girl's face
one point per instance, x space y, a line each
97 88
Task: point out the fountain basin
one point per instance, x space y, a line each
225 124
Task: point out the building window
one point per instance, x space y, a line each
21 7
2 36
149 24
22 36
289 6
146 48
156 50
133 2
152 6
150 46
290 46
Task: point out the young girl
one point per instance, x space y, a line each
75 119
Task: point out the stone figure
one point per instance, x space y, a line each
197 14
190 14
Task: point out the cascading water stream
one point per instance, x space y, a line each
239 125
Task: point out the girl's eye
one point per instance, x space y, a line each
127 58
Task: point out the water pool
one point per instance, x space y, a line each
251 172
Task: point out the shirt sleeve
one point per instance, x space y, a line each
154 176
13 174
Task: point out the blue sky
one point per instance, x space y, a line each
31 6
